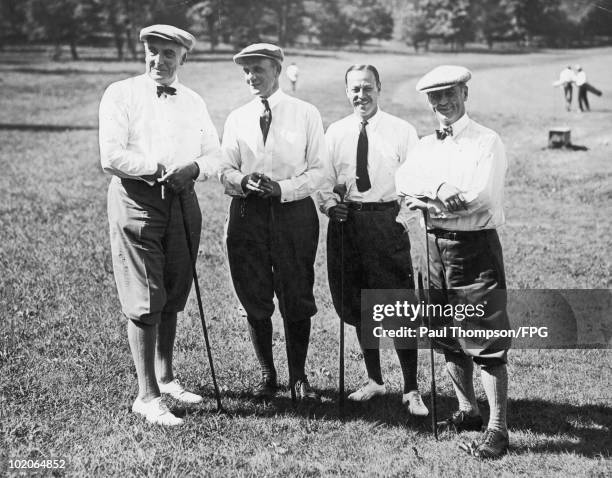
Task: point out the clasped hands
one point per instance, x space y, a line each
179 178
447 195
260 185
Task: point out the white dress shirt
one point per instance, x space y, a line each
473 160
581 78
138 129
389 140
566 76
294 154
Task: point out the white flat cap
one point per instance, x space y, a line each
442 77
170 33
261 50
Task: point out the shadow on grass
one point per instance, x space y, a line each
43 127
589 425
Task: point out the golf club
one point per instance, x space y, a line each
340 190
434 410
199 297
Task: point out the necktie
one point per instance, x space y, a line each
363 179
161 89
444 132
265 119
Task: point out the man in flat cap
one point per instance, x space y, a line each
457 176
367 248
273 160
156 139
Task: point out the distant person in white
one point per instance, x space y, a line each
156 139
581 83
292 73
566 78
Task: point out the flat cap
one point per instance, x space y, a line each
170 33
261 50
442 77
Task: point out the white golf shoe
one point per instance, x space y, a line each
177 391
156 412
368 391
415 404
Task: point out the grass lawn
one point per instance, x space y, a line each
67 380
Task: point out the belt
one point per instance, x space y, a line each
457 235
372 206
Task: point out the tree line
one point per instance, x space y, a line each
328 23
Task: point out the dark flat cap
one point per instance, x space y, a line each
261 50
170 33
442 77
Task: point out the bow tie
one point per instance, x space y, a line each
165 89
444 132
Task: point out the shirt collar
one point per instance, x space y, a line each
274 99
373 121
459 125
175 84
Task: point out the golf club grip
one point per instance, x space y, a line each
199 298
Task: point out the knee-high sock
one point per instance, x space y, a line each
164 347
495 384
141 338
261 336
299 336
460 368
371 357
408 361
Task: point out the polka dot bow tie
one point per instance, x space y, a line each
161 89
444 132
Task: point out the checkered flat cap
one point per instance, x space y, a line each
170 33
442 77
261 50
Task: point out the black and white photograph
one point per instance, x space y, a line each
315 238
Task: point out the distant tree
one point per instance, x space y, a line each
289 15
63 21
367 19
493 20
414 26
598 20
12 21
331 25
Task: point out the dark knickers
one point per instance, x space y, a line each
151 260
271 248
376 256
469 269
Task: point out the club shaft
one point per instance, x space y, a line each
434 410
199 298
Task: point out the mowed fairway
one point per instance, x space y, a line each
67 380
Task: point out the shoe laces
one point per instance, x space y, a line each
489 437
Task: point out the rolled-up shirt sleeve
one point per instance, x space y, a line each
311 179
325 196
230 173
115 156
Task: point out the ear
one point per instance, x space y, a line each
183 59
465 93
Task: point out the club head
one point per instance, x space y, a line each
340 190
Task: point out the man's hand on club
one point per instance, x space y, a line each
340 190
179 178
251 183
451 197
338 213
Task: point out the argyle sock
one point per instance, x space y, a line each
299 336
408 361
460 368
261 336
371 357
495 384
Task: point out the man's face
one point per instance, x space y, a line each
261 74
163 59
362 92
448 104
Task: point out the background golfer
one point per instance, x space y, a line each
365 150
156 138
459 171
274 159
